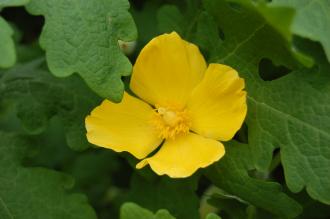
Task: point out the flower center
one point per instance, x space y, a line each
171 122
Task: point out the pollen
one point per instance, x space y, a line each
171 122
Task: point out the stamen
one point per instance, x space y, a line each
171 122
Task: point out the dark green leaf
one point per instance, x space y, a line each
133 211
40 96
177 196
290 112
231 174
30 193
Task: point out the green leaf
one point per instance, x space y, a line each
133 211
280 18
170 18
199 27
6 3
296 119
39 96
33 192
290 112
178 196
231 174
147 27
7 46
212 216
312 20
82 36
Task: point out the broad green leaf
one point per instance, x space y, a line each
39 96
33 192
199 27
7 46
82 36
280 18
312 20
133 211
291 112
177 196
231 174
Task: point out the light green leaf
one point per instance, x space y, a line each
133 211
39 96
231 174
312 20
280 18
82 36
32 192
7 3
212 216
7 46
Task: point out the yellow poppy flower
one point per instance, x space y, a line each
185 104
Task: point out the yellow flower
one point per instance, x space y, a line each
188 106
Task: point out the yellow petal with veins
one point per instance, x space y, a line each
124 126
182 156
167 70
217 106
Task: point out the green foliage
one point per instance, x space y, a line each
278 112
212 216
38 97
33 192
177 196
133 211
312 20
7 3
276 167
7 47
82 36
231 174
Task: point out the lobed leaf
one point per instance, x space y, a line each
231 174
39 96
291 113
82 36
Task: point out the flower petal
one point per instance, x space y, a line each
217 106
123 126
182 156
167 70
